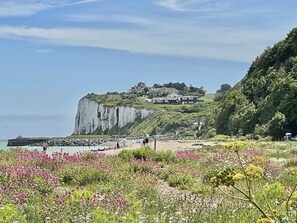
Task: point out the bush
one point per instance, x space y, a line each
126 155
210 133
103 216
164 156
143 153
220 138
9 213
82 175
181 180
91 175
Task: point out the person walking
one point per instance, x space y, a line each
44 146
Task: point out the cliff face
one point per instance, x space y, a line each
93 117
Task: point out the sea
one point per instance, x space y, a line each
52 149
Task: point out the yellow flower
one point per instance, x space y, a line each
213 180
235 146
238 177
258 160
264 220
293 171
253 171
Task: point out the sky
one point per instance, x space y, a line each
54 52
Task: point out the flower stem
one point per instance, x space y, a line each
246 177
287 203
229 195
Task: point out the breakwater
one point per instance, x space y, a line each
74 142
20 141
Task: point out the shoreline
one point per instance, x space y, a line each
109 147
167 145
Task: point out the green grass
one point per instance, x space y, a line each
208 97
166 119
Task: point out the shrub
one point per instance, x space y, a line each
103 216
144 166
82 175
9 213
164 156
143 153
126 155
87 156
220 138
182 180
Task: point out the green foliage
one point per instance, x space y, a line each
164 157
222 138
274 191
143 153
103 216
240 183
291 163
166 119
224 88
221 92
264 102
126 155
245 183
183 181
82 175
147 153
9 213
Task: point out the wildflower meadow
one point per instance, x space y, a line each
237 182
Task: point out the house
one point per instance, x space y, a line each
176 99
165 100
188 99
173 95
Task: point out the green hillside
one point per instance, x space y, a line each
166 119
264 102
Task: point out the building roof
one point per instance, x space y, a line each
164 99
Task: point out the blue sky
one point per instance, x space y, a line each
53 52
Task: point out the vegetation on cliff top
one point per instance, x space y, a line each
166 119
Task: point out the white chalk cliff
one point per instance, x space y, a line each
92 116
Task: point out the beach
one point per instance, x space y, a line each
110 147
165 145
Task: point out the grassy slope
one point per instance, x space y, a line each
165 119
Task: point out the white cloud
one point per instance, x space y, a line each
11 8
160 38
193 5
107 18
15 8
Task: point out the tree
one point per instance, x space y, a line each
265 100
224 88
221 92
276 124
